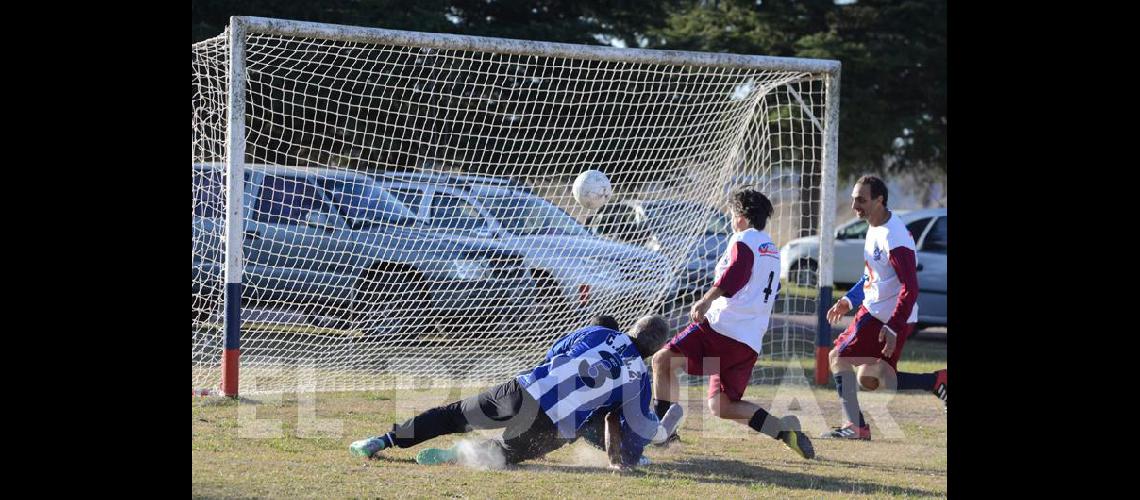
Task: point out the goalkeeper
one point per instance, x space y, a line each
594 372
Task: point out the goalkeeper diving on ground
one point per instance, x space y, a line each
595 374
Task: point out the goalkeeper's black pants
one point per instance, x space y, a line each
528 432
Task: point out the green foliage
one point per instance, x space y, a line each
893 86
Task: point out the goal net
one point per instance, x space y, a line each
406 213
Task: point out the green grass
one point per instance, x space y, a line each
716 458
285 328
788 289
923 353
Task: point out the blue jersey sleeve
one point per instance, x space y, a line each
638 423
590 340
561 346
855 294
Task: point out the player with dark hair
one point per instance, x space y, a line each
728 325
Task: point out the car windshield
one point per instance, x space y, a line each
856 230
521 213
364 203
666 214
209 195
717 223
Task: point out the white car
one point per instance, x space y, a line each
798 259
570 263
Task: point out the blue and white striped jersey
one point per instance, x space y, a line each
590 370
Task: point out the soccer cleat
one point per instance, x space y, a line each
433 456
940 388
670 422
849 431
368 447
790 423
798 442
674 437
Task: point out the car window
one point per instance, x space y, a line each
936 239
717 223
668 209
917 227
409 196
665 215
286 200
362 202
614 218
857 231
209 194
452 212
523 213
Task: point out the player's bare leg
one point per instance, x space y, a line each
761 421
878 374
666 366
875 374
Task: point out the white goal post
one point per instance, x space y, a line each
375 208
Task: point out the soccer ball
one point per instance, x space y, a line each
592 189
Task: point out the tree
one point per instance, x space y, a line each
210 17
893 91
573 21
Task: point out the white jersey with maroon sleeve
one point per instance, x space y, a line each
744 316
882 286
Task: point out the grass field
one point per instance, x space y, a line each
290 446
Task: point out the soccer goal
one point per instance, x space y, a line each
377 209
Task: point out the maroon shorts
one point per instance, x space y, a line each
861 340
727 361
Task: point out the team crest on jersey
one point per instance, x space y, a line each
877 254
